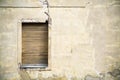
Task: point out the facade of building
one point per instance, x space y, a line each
79 40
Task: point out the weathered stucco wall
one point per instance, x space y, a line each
84 34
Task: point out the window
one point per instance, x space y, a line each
34 45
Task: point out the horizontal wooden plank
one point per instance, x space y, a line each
32 43
35 47
36 54
35 28
45 39
34 59
33 51
34 24
26 34
35 31
31 61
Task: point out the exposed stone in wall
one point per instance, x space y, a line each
115 74
88 77
112 75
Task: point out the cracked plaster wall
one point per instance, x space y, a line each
85 38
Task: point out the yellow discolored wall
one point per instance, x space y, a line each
84 36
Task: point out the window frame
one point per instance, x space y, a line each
19 45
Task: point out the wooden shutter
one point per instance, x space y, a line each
34 43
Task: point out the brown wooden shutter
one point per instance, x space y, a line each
34 43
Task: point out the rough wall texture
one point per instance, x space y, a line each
85 39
